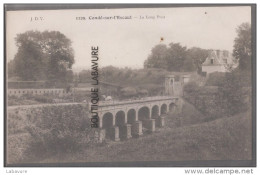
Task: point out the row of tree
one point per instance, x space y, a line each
176 58
134 80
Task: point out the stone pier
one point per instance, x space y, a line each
101 135
114 133
125 132
149 124
137 129
161 121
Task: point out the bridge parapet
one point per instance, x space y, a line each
135 101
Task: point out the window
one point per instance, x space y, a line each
225 61
211 61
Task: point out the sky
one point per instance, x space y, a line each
128 42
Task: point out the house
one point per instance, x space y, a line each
218 61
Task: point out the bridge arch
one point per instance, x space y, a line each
171 107
131 116
120 118
107 120
155 111
107 123
120 121
163 109
144 113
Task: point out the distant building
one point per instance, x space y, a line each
53 92
174 83
218 61
19 88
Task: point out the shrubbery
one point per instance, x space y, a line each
215 79
60 129
203 98
228 98
28 99
232 93
52 129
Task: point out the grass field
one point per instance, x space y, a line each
186 137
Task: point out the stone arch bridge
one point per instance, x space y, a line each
119 120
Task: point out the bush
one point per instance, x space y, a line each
14 100
52 130
60 129
191 87
28 99
230 97
231 94
215 79
43 98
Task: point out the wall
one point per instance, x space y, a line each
20 92
215 68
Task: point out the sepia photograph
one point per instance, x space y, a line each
130 85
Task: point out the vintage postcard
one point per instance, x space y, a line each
130 85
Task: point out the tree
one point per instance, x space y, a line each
177 59
242 46
157 59
172 58
128 92
43 56
231 94
198 56
10 68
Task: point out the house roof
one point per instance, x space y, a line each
218 57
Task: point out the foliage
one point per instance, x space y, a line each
158 57
53 129
215 79
15 100
231 94
128 91
41 56
191 87
29 99
149 80
198 56
176 58
228 98
203 98
242 47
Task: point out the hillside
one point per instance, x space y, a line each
186 137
